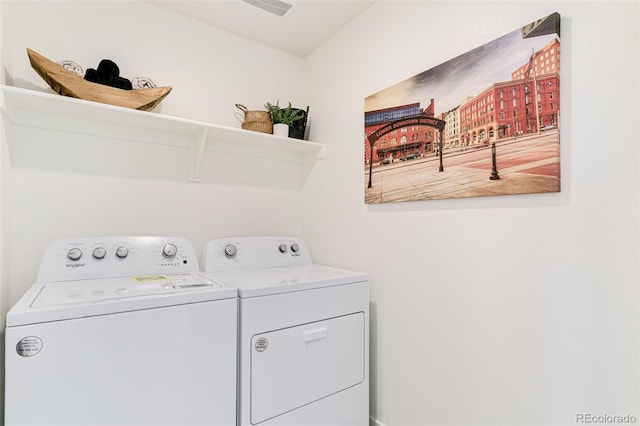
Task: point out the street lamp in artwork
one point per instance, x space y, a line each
440 146
494 166
371 144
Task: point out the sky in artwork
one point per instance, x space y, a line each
463 76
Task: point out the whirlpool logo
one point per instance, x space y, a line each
75 265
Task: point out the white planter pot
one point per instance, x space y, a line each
281 129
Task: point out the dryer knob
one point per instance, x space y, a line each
122 252
230 250
283 248
74 254
169 250
295 248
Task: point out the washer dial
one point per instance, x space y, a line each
122 252
169 250
99 253
74 254
230 250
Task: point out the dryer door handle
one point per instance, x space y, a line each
315 334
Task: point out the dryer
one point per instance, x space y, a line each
121 331
303 333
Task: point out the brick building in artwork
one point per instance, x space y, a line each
411 140
528 103
509 109
545 61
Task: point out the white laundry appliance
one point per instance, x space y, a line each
303 333
122 331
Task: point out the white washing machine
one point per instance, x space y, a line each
122 331
303 333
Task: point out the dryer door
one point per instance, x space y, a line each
296 366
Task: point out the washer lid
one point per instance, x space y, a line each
262 282
75 299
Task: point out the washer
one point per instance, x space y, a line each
122 331
303 333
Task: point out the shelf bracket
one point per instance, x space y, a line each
197 152
5 111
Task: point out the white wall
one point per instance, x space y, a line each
209 69
503 310
216 71
5 167
46 195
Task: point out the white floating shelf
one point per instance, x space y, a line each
54 112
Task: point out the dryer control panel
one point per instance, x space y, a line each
238 253
107 257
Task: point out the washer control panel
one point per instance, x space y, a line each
106 257
236 253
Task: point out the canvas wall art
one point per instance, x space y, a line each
484 123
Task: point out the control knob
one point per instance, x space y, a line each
99 253
74 254
295 247
169 250
282 248
230 250
122 252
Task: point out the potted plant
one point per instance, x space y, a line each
283 118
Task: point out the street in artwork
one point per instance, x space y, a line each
525 165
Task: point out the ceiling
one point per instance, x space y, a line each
306 25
